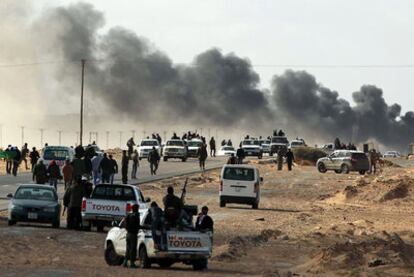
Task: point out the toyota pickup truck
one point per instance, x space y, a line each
188 247
110 203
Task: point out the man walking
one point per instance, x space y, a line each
73 201
212 147
25 152
280 159
105 169
114 169
9 159
124 167
34 157
202 156
96 169
16 160
289 159
40 173
54 174
153 159
135 164
132 226
67 171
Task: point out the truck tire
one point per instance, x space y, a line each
165 263
11 222
255 206
165 158
345 169
143 257
338 171
222 204
56 223
100 227
184 160
200 264
362 172
86 226
322 168
111 258
271 154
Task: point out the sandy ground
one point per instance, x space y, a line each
22 167
308 224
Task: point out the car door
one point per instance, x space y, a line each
339 159
329 163
120 241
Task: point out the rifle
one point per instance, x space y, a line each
184 191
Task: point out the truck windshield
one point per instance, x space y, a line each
279 140
247 142
238 174
113 192
55 154
194 143
31 193
149 143
175 143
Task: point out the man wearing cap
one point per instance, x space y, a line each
132 225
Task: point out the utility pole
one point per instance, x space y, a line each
60 137
144 132
22 134
81 107
77 138
208 132
216 134
201 131
107 139
96 137
165 135
120 139
41 136
90 137
133 134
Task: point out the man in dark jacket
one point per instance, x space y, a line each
204 223
124 168
212 147
40 173
172 206
73 201
53 172
88 166
16 160
289 159
154 159
135 164
78 168
132 225
114 169
34 157
202 156
157 226
106 169
240 155
232 159
25 152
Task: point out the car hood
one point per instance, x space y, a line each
147 147
33 203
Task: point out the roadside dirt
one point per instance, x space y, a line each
308 224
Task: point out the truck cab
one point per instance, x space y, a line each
145 147
251 147
278 143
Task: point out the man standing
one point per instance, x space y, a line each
16 160
54 174
172 206
9 159
34 157
106 169
67 171
25 152
40 173
73 201
157 226
240 155
212 147
135 164
232 159
114 169
78 168
280 159
153 159
132 225
289 159
202 156
130 145
96 169
373 159
124 167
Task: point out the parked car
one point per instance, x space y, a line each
252 147
344 161
146 146
34 203
226 151
186 246
110 203
175 149
240 184
58 154
392 154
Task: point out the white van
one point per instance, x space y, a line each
58 154
240 184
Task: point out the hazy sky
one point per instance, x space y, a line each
317 32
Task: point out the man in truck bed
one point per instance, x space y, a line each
172 206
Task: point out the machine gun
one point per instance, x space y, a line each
191 210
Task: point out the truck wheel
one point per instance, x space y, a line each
260 156
86 226
11 222
56 223
222 204
111 258
165 263
322 168
345 169
362 172
100 227
271 154
143 257
184 160
338 171
200 264
165 158
255 206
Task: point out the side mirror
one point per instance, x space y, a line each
147 200
9 195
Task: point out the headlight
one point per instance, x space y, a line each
49 209
16 207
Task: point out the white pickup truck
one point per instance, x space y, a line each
189 247
110 203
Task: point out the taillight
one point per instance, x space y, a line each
83 204
221 185
128 207
256 187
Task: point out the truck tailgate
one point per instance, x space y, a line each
105 207
188 241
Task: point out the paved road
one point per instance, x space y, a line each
8 184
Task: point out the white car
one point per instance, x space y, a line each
175 149
392 154
146 146
226 151
252 147
297 143
193 146
58 154
186 246
265 144
240 184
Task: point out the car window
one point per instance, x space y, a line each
194 143
228 148
238 174
56 154
359 156
149 143
247 142
175 143
113 192
279 140
31 193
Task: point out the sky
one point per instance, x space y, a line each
276 33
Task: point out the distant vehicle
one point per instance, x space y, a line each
193 146
57 153
226 151
175 149
146 146
110 203
186 246
265 144
278 143
297 143
344 161
240 184
95 148
392 154
328 148
34 203
252 147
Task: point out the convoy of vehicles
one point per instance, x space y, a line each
193 147
278 143
226 151
392 154
110 203
344 161
240 184
146 146
252 147
34 203
186 246
58 154
175 149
